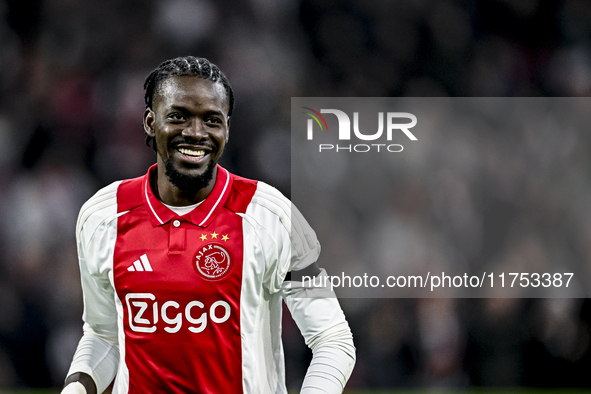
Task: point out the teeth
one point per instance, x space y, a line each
192 153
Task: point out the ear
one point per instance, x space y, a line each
149 118
228 131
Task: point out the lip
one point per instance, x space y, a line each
192 148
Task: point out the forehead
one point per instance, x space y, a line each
191 91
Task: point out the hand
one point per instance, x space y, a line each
74 388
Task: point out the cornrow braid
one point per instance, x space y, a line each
180 67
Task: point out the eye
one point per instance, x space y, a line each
176 117
213 121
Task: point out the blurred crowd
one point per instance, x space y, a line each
71 104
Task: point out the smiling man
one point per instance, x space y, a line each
184 270
189 121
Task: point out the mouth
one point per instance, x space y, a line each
192 152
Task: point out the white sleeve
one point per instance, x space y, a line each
97 358
287 240
326 331
290 244
97 354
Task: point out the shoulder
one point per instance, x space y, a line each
248 195
98 209
258 199
280 226
266 195
304 246
274 212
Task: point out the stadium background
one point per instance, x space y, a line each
71 75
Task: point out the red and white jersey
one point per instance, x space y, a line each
193 302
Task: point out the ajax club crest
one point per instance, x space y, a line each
213 261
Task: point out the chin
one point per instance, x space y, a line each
191 181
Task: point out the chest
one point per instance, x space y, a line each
175 274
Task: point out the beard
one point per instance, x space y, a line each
189 185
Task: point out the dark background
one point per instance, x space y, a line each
71 103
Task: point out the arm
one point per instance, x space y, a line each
321 321
94 365
96 359
290 250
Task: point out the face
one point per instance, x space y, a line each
189 123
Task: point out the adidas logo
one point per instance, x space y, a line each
141 265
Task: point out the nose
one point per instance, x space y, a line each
195 129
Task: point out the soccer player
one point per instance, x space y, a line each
184 269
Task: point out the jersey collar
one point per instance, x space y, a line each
202 215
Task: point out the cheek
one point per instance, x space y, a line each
221 142
161 141
163 134
222 137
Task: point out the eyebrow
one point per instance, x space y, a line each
185 110
178 108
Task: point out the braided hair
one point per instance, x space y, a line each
185 66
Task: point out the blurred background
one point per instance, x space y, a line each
71 104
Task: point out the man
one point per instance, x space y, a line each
184 269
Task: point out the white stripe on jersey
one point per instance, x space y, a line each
144 259
219 199
150 204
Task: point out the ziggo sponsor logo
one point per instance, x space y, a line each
345 130
144 313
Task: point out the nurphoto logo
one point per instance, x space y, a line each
393 127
